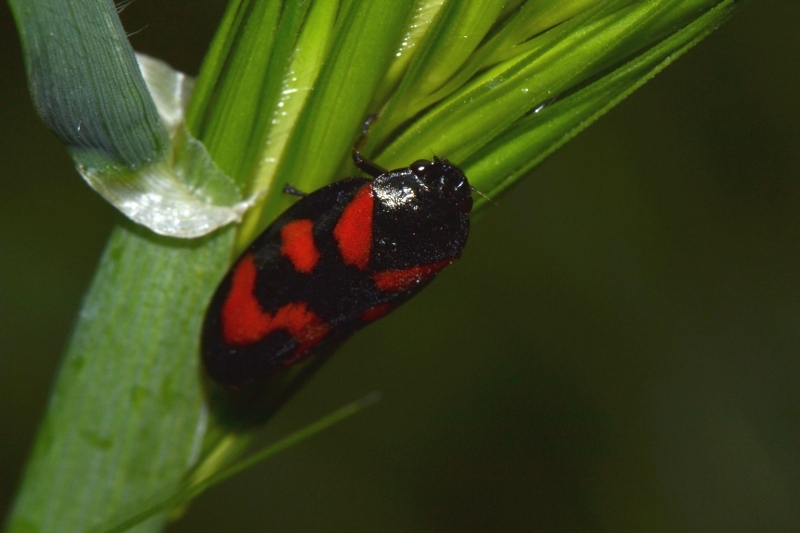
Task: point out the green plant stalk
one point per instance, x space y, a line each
300 70
544 132
361 52
93 464
194 489
124 415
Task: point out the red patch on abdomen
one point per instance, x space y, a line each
244 321
400 280
375 312
297 243
353 232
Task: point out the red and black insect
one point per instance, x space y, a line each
337 260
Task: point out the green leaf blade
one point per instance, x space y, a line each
119 429
100 109
365 39
584 47
229 121
506 159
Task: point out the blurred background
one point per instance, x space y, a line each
618 349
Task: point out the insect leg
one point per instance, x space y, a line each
288 189
367 166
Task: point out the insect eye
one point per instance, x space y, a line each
419 166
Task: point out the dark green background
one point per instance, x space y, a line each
618 350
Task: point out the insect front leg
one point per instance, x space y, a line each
367 166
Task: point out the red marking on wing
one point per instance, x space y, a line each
375 312
353 232
241 315
302 324
400 280
297 243
244 321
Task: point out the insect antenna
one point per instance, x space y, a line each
473 189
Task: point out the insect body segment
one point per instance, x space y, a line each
338 259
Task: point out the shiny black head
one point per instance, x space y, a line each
446 180
421 214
